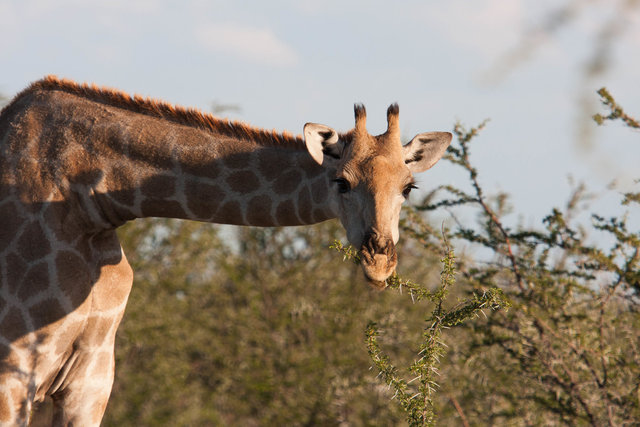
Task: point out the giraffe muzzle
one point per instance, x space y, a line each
379 258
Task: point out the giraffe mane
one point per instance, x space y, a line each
163 110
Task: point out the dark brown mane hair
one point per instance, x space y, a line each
163 110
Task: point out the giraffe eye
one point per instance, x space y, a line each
343 185
407 190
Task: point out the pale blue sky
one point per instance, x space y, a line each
289 62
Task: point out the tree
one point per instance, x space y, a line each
567 351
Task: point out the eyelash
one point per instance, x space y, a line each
408 189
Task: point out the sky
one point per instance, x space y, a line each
283 63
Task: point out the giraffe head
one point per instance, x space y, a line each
373 176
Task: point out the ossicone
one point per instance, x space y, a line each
393 125
361 118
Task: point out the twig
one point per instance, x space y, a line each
456 404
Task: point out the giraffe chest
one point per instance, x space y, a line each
59 309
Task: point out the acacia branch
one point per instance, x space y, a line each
617 113
463 160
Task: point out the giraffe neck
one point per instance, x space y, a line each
119 160
191 174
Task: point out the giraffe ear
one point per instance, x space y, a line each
322 141
425 150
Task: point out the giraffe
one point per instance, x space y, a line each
77 161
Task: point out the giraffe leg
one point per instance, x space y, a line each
83 401
82 396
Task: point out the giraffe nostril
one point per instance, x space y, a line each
367 257
375 244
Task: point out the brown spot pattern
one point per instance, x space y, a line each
286 213
71 269
287 182
102 364
124 193
98 410
5 408
15 268
237 161
319 191
13 326
10 362
304 204
162 208
259 211
33 243
203 199
46 312
319 215
230 213
35 281
66 337
56 216
96 330
270 164
243 182
305 163
198 167
158 186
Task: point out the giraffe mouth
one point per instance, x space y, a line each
378 285
379 259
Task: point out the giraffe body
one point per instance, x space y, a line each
77 161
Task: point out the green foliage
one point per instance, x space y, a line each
418 400
616 111
567 353
266 332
